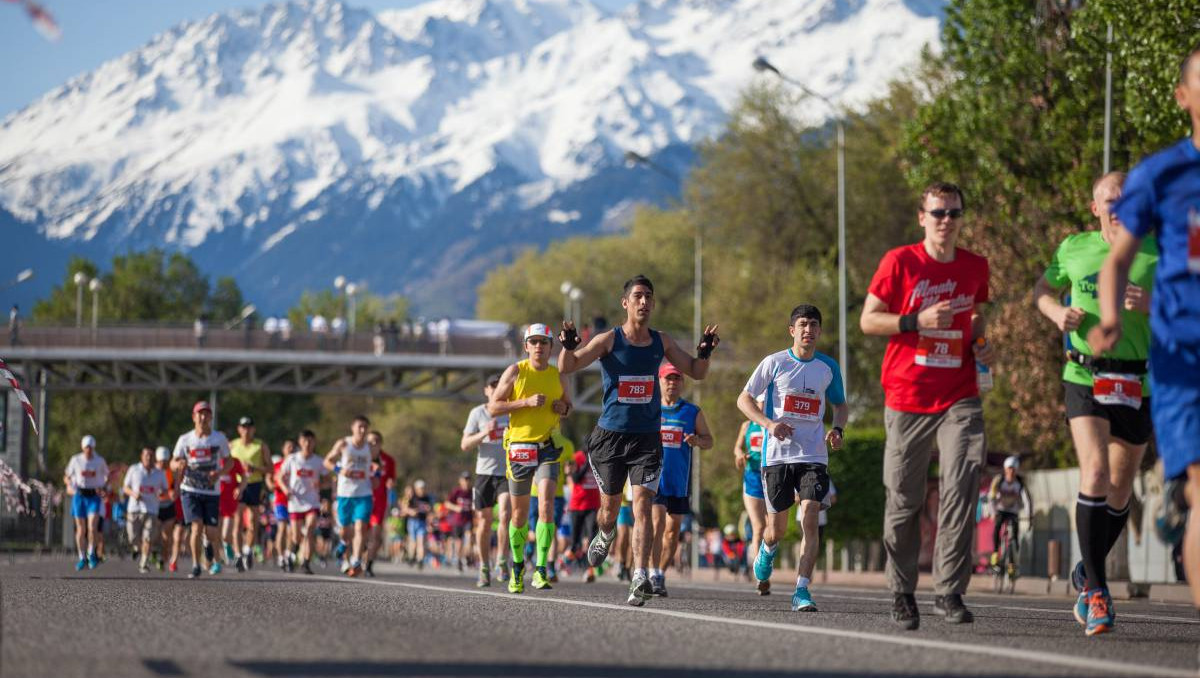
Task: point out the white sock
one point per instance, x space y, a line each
655 572
639 572
769 550
802 582
82 554
245 550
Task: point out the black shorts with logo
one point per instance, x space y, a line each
783 483
1132 426
488 489
615 456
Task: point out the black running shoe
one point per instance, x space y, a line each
905 613
951 607
195 572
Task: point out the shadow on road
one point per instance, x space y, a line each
475 670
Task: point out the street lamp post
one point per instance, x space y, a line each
80 279
576 295
95 285
566 288
763 66
351 290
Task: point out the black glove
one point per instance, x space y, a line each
707 344
569 338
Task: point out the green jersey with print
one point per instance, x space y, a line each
1077 262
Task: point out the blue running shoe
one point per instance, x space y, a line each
83 562
1081 608
764 564
93 561
802 601
215 569
1099 617
339 551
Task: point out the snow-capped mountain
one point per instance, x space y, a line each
416 148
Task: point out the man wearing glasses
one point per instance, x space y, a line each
925 297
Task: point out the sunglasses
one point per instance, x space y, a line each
538 341
942 214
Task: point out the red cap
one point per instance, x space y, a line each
667 368
200 406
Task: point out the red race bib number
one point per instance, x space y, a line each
496 434
635 390
1117 389
672 436
148 491
87 474
1194 242
523 454
357 475
305 473
756 441
201 454
940 348
802 406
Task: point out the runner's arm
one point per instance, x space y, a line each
696 368
877 320
703 437
749 407
471 441
1114 277
279 478
739 447
563 406
330 459
264 457
573 361
499 404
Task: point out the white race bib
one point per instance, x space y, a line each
672 436
633 390
523 454
940 348
1109 388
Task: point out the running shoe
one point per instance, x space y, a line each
1079 578
344 566
590 575
83 562
144 568
658 584
1099 616
540 579
951 607
516 583
241 564
502 571
173 567
905 613
639 590
305 568
1081 608
763 587
355 569
339 551
158 562
370 569
598 549
802 601
764 564
228 553
485 578
93 561
551 573
290 563
195 572
215 569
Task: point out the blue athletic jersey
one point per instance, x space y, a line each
678 421
754 444
1161 196
631 400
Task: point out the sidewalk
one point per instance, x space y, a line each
980 584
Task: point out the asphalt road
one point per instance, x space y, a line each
115 622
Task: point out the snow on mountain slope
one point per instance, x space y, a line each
253 137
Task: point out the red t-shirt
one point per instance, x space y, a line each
387 471
229 481
280 497
585 493
462 499
930 370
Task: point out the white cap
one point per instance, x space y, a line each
1012 462
730 529
418 483
538 330
88 441
276 458
162 453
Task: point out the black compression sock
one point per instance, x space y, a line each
1091 525
1116 519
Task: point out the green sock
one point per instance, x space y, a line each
517 536
545 538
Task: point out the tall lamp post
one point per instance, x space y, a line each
95 286
80 279
351 290
763 66
566 288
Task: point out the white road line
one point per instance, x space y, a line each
875 598
1103 666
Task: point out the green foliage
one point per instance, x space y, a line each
857 472
368 308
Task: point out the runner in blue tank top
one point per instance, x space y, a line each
1162 198
625 444
683 427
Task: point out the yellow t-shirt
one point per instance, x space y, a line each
250 454
533 424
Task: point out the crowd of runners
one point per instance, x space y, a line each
1131 323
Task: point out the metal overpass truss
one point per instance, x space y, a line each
437 377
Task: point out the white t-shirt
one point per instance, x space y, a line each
354 480
150 482
490 461
203 454
302 477
87 474
796 392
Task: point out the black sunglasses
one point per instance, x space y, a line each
538 341
942 214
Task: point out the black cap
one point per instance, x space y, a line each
465 475
246 421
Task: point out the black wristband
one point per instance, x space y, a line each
908 323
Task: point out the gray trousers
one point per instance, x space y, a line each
958 434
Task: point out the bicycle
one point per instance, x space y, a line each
1006 571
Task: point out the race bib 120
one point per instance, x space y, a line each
672 436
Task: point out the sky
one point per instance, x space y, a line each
94 31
